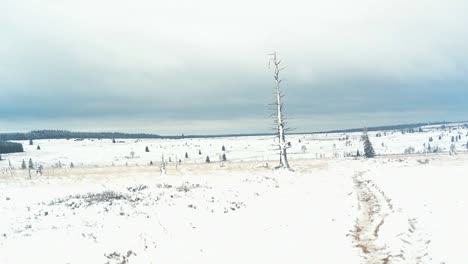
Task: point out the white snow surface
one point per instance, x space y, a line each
111 208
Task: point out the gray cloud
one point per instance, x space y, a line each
180 62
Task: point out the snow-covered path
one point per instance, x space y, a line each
376 213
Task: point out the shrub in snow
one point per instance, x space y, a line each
207 160
426 161
137 188
453 149
38 147
147 149
409 150
186 186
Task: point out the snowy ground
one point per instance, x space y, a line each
395 208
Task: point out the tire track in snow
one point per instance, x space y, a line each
374 207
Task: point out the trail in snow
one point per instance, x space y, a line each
379 232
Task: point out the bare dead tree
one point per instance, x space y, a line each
283 145
163 165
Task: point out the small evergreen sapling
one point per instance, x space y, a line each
368 148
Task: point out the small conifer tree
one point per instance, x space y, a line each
38 147
147 149
207 159
31 164
186 155
223 148
224 157
368 148
23 165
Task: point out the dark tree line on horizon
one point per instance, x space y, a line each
10 147
65 134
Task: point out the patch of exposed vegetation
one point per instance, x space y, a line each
88 199
137 188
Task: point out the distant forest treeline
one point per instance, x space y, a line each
390 127
64 134
10 147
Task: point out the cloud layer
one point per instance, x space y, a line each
202 66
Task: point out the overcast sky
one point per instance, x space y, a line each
201 67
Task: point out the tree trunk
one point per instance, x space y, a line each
282 144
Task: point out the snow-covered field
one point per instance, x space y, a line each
115 208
